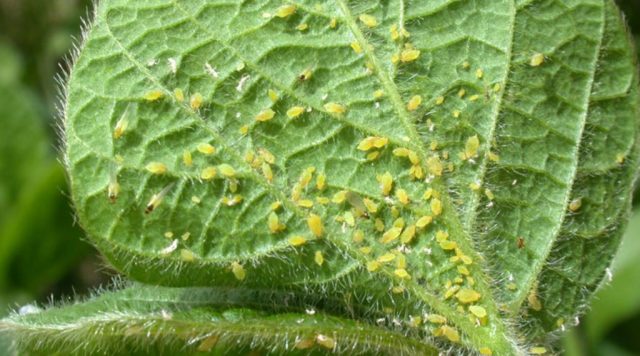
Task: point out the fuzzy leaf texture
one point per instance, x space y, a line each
456 171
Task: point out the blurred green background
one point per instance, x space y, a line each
43 253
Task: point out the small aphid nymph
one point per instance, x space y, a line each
156 168
196 101
265 115
536 60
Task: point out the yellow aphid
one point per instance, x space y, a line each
497 87
154 95
318 258
440 100
333 23
387 257
179 94
275 205
424 221
575 204
209 173
358 236
121 127
302 27
156 199
335 108
306 176
196 101
305 203
450 333
401 152
378 94
186 158
489 194
434 165
394 32
456 113
391 235
373 266
368 20
296 192
538 350
536 60
267 172
321 181
399 222
195 199
244 129
416 171
273 95
295 111
379 225
113 189
478 311
402 196
436 206
266 155
485 351
274 224
285 11
356 47
466 296
297 240
371 142
402 273
156 168
471 147
493 157
462 93
414 103
315 225
265 115
395 58
427 194
479 73
238 271
206 149
474 186
226 170
620 157
408 234
533 300
373 155
340 197
306 74
386 183
474 97
409 55
187 255
371 206
326 341
441 235
322 200
463 270
436 319
448 245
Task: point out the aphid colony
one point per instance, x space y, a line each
386 246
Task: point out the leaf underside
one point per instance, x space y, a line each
526 133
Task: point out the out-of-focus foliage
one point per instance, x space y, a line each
41 248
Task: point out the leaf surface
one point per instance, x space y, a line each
417 157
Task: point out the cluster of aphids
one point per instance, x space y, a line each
383 247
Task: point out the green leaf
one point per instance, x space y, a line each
522 115
174 321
